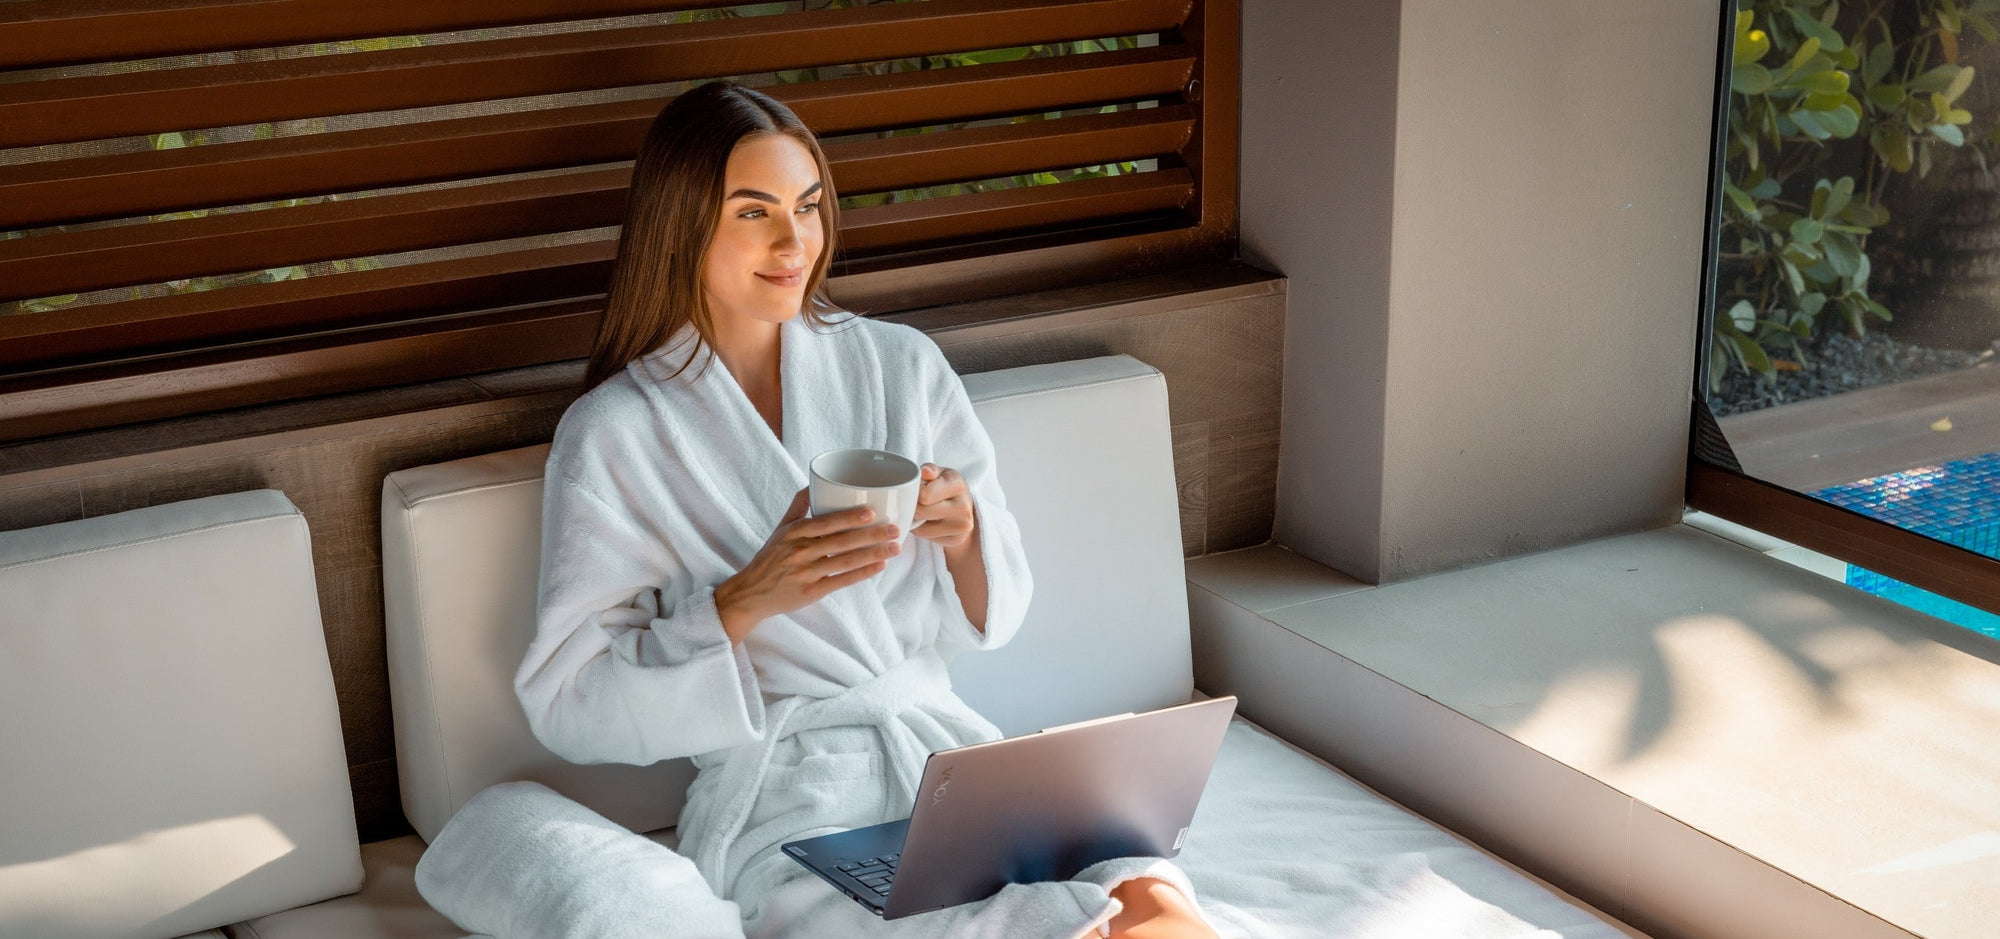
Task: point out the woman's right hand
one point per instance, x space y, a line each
804 559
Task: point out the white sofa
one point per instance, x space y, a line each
164 686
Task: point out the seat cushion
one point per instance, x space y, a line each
461 553
1085 458
388 906
173 748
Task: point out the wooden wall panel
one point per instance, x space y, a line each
1215 334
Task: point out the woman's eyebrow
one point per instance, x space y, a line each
762 196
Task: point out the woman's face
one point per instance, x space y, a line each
769 235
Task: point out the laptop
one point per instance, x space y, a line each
1037 807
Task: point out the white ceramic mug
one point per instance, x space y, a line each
843 479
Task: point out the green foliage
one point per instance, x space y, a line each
1806 76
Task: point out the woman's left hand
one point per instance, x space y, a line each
944 507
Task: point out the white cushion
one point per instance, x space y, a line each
388 906
173 751
461 552
1086 462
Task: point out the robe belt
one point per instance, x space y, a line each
875 703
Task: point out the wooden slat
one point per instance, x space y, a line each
98 259
532 275
40 33
1215 26
47 193
88 108
297 368
316 303
890 163
105 395
963 218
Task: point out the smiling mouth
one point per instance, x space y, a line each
785 278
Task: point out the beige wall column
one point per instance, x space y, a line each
1318 177
1500 363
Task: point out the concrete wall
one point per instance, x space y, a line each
1491 214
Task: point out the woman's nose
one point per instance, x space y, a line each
790 239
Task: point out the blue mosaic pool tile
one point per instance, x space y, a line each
1956 502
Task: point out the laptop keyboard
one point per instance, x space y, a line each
875 873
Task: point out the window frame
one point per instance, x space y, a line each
1732 494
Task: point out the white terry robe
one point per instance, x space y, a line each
657 490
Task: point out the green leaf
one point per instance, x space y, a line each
1840 196
1841 121
1742 200
1959 83
1805 52
1887 96
1880 58
1805 231
1750 46
1893 146
1949 134
169 141
1935 80
1749 79
1752 355
1743 316
1842 253
1824 83
1812 303
1793 278
1828 38
1983 26
1808 124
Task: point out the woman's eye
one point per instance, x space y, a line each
750 213
809 208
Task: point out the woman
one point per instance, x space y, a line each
688 606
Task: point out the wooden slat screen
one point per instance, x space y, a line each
178 198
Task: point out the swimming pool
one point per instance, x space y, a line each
1956 502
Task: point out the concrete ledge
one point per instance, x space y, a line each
1696 737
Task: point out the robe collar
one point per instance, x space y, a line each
817 416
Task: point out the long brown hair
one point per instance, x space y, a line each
671 213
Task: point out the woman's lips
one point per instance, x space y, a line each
790 277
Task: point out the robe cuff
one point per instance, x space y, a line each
988 543
700 641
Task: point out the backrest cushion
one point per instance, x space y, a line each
167 715
1087 465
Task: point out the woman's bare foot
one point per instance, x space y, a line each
1155 909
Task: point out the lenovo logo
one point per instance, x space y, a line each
944 782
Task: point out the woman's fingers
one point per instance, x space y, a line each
844 541
826 585
820 526
847 561
797 510
941 483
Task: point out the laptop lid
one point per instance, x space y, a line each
1044 806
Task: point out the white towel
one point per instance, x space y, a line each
521 860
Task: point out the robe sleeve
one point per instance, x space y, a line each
961 443
630 663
